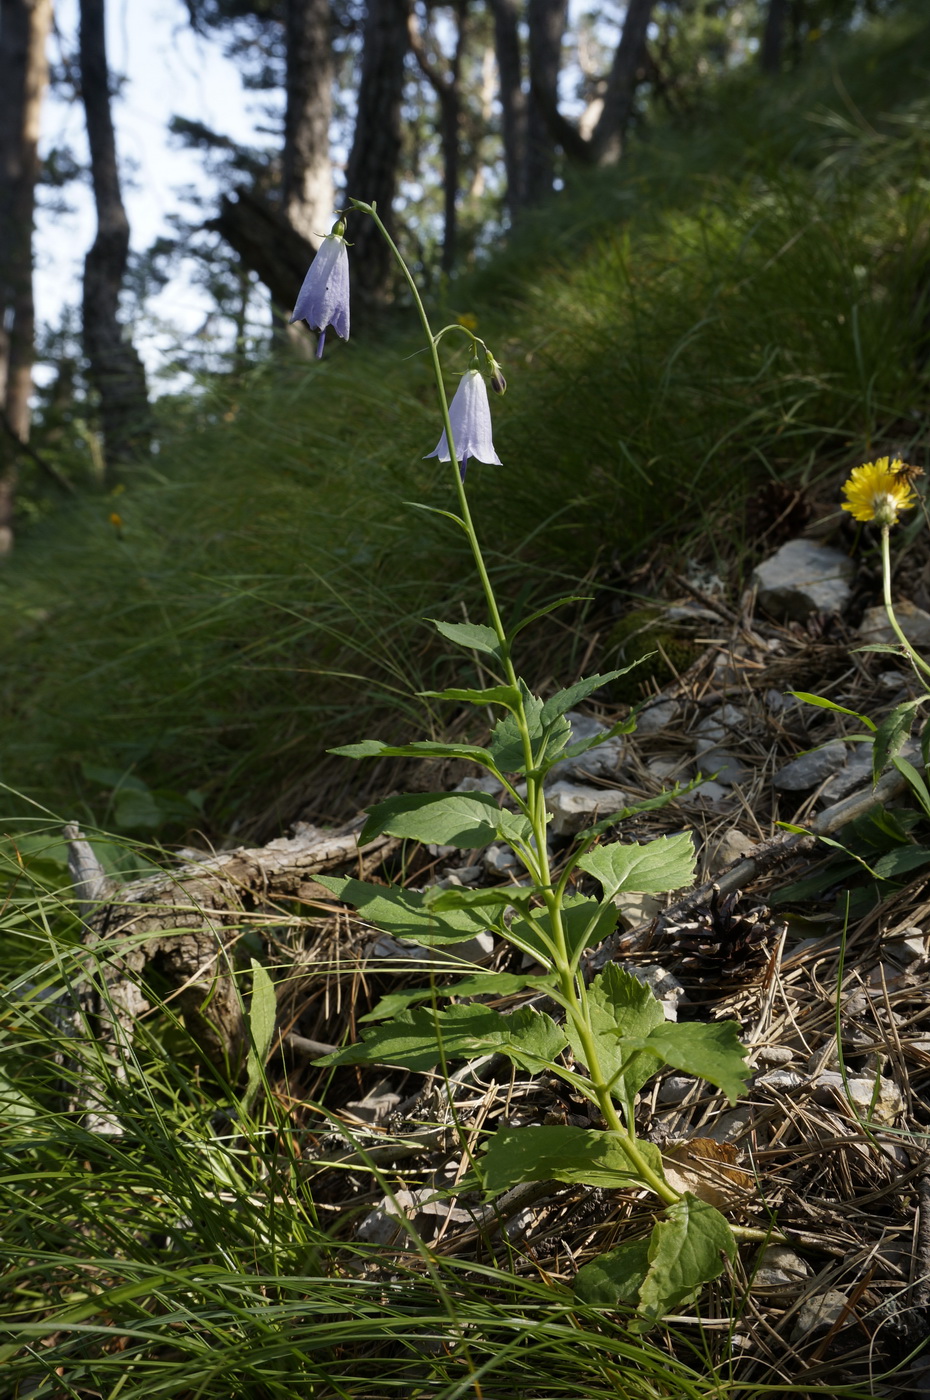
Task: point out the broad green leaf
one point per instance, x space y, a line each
542 612
822 703
494 695
456 897
584 923
469 820
471 635
615 1277
426 748
623 1012
914 781
499 984
567 699
686 1250
708 1050
900 860
891 735
667 863
547 742
263 1008
528 1038
557 1153
403 912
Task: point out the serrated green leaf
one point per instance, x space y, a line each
619 1003
547 742
585 922
686 1250
566 699
891 734
426 748
708 1050
263 1010
498 984
403 913
530 1039
557 1153
824 704
615 1277
494 695
666 863
471 635
468 820
900 860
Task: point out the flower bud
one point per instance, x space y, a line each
497 380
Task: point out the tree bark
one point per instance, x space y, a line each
308 173
607 137
512 100
448 94
546 29
371 174
266 242
115 368
24 29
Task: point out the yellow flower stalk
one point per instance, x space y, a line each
879 491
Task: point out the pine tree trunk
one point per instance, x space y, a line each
308 172
115 368
607 137
512 100
547 26
371 174
24 29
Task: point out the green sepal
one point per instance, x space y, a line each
498 984
474 636
561 1153
404 913
468 820
528 1038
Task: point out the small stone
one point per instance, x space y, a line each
656 717
666 988
726 768
673 1089
574 806
499 860
733 845
855 774
482 783
909 946
803 578
676 770
636 909
463 874
811 769
709 792
875 629
820 1313
377 1103
829 1091
774 1054
780 1270
713 728
783 1081
728 1127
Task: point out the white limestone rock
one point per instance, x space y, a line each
811 768
576 805
804 577
913 621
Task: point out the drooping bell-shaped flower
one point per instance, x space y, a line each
323 299
470 418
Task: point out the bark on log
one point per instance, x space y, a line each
267 244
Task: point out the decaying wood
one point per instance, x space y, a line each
183 926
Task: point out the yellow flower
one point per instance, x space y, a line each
467 320
878 491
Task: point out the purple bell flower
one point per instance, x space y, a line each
470 418
323 299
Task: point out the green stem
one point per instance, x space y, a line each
916 660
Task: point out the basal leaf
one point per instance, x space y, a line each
263 1010
891 735
499 984
528 1038
469 820
619 1002
427 748
403 912
686 1251
614 1278
667 863
471 635
557 1153
708 1050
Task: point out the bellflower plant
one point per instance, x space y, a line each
470 416
323 300
609 1034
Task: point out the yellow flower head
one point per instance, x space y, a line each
878 491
